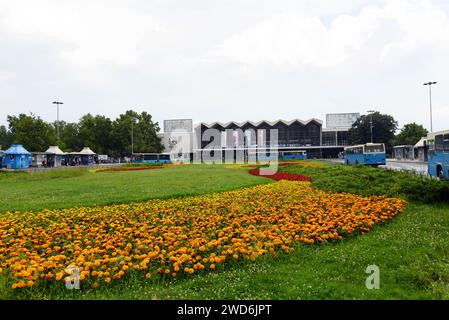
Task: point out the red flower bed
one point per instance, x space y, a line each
281 175
129 169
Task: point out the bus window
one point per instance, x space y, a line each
164 157
446 142
439 143
377 148
150 157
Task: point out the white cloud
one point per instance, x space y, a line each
301 39
276 59
6 76
422 25
87 32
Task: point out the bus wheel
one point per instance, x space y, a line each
440 174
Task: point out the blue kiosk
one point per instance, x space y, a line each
16 157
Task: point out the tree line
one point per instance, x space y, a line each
113 137
384 131
100 133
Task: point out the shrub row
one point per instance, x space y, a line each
366 181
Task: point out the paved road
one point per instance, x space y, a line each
417 166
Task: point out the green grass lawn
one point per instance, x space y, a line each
80 187
412 251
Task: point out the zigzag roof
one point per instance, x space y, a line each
258 123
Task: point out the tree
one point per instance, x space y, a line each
410 134
98 132
5 138
32 132
70 138
146 139
384 127
143 130
95 132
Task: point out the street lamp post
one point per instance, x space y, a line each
430 96
57 103
132 138
371 122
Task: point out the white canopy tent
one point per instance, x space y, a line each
85 156
56 151
55 156
86 152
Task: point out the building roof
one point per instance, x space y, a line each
436 133
55 150
17 149
86 151
420 143
258 123
335 129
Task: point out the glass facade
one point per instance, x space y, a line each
342 138
329 138
291 136
335 138
294 135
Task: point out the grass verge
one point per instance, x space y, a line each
79 187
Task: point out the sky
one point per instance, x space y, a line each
224 60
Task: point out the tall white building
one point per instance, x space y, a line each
341 120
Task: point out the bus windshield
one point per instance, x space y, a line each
150 157
375 148
442 142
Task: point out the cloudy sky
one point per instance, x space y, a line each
222 60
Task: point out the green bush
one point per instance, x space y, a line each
366 181
140 164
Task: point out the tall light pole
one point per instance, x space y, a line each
57 103
132 138
371 122
430 96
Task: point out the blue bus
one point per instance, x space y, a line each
265 156
152 158
438 163
293 155
369 154
274 155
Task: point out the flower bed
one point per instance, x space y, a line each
179 237
280 175
129 169
300 163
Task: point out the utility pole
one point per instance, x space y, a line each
57 103
132 138
371 122
430 96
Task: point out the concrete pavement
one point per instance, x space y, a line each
400 165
